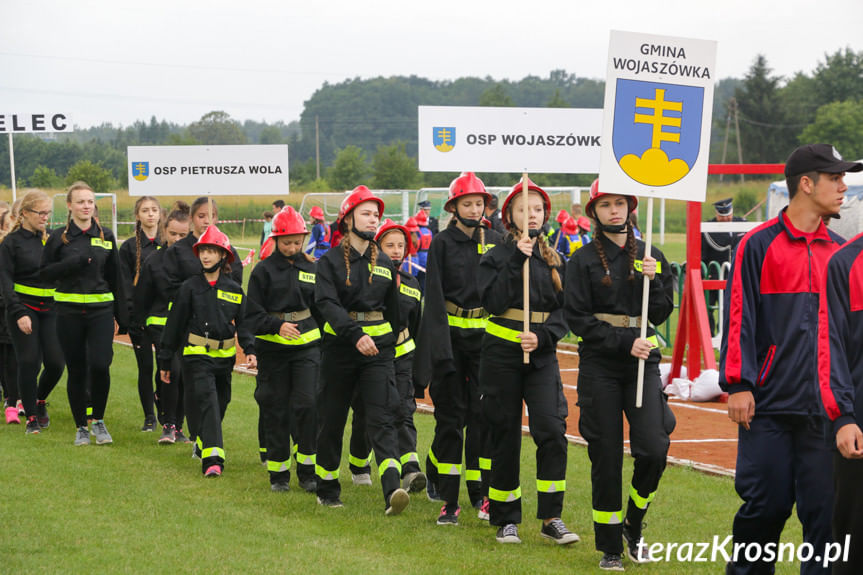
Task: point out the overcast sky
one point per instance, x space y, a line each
119 61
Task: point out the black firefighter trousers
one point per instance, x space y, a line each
605 394
344 371
505 381
287 394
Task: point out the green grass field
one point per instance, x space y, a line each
137 507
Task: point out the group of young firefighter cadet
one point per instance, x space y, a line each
353 330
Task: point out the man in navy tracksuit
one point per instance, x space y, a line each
767 362
840 377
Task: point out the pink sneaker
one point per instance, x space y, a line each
21 411
483 513
12 414
213 471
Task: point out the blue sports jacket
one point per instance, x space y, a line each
769 344
840 336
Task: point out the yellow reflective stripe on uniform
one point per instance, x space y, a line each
307 277
156 320
448 468
305 458
640 502
410 292
480 250
84 298
504 496
359 462
304 338
467 322
485 463
502 332
432 457
653 341
278 466
212 452
381 271
637 264
201 350
36 292
325 474
608 517
411 457
389 463
405 348
544 486
372 330
100 243
262 450
229 296
472 475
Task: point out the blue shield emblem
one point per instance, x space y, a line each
444 138
657 130
140 170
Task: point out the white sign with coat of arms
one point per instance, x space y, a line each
486 139
208 170
658 109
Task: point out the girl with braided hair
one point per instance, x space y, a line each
505 381
604 286
81 261
133 253
449 366
356 292
30 311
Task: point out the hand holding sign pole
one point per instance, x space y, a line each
658 101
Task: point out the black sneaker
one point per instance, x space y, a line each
32 426
556 531
448 514
180 437
508 534
330 502
309 485
631 539
399 499
280 487
149 423
611 562
167 436
42 414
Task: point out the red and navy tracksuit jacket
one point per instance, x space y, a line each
771 316
840 333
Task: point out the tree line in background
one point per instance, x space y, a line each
366 129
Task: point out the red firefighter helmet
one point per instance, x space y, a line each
411 225
213 236
569 226
357 196
466 184
316 213
584 223
422 218
595 194
267 248
561 216
288 222
517 189
389 226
